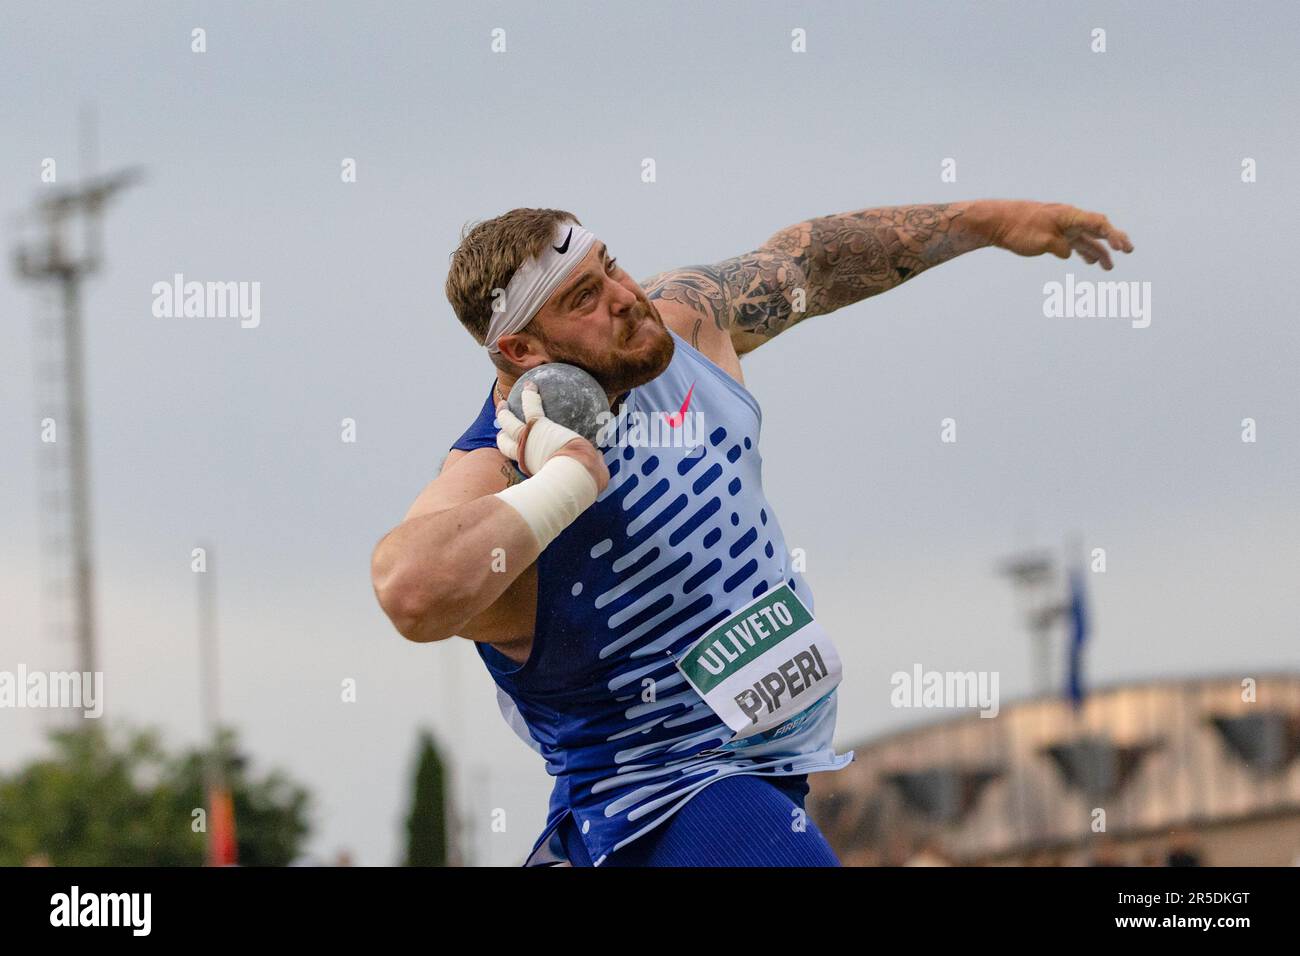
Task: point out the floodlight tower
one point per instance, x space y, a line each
56 258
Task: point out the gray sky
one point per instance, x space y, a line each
202 430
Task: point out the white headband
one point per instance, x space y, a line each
537 279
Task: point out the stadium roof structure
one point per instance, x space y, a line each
1140 758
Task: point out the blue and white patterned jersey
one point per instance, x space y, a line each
680 539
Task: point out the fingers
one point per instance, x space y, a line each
1059 246
1097 226
1092 251
507 445
506 419
532 400
511 428
1089 234
508 435
1119 240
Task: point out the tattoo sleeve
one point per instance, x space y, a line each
821 264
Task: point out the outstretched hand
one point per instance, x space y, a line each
1030 228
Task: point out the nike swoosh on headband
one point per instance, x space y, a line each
564 248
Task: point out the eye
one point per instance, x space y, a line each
611 264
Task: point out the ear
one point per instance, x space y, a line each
522 350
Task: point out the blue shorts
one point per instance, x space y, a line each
739 820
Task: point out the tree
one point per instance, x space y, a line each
103 801
426 827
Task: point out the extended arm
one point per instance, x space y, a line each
820 265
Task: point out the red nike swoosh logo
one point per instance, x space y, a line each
676 418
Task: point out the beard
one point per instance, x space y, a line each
626 366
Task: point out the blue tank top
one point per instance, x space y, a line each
680 539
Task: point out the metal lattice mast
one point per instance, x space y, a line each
54 259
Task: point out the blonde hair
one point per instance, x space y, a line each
488 255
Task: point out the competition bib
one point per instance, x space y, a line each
764 664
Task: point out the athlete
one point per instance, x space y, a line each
634 599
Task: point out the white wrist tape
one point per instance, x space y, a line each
553 498
541 437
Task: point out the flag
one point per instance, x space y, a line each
222 849
1077 615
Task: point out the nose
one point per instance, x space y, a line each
624 297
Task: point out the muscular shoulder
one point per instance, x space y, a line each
697 303
696 328
730 306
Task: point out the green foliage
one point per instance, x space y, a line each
426 827
99 801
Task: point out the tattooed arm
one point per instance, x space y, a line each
820 265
